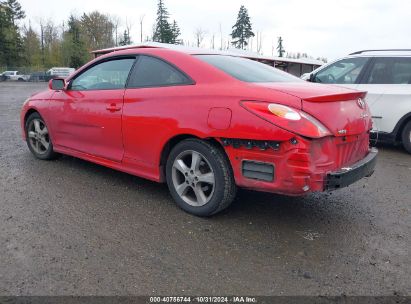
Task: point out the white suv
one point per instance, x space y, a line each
386 76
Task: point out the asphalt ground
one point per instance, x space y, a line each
70 227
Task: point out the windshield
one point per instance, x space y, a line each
345 71
247 70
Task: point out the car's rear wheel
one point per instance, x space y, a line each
38 137
200 177
406 137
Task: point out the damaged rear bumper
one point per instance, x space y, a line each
349 175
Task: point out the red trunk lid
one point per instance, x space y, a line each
342 111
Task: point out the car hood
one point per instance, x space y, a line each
42 95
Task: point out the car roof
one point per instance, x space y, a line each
382 52
149 46
132 51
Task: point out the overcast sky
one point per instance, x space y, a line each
321 28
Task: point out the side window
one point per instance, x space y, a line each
154 72
108 75
390 71
345 71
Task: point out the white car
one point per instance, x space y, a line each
386 76
15 75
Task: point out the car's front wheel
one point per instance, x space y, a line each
406 137
38 137
200 177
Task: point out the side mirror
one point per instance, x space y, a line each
57 84
312 77
306 76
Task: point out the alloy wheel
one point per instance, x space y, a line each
193 178
38 136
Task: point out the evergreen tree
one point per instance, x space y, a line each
10 39
15 11
126 39
3 27
163 31
242 29
175 29
75 51
280 47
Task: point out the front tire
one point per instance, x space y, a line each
200 178
38 138
406 137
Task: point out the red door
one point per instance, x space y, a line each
88 122
87 115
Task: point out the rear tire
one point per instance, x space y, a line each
200 178
38 138
406 137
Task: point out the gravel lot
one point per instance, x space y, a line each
69 227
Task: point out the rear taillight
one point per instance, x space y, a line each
288 118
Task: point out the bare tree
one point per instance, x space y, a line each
115 20
31 46
199 35
259 42
98 30
51 33
42 25
49 41
128 27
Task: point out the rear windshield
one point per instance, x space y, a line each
247 70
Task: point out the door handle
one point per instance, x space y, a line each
113 108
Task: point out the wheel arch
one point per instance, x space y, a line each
28 113
173 141
401 125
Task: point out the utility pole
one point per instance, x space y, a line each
42 41
221 37
141 28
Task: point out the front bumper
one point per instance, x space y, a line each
349 175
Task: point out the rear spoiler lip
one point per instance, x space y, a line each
337 97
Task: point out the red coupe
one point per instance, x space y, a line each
204 123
